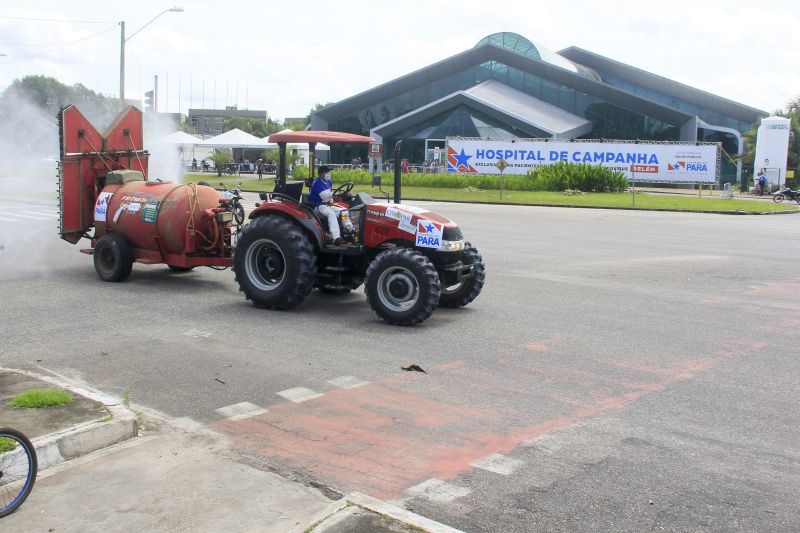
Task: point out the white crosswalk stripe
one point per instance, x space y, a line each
11 211
31 217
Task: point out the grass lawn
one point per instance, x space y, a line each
613 200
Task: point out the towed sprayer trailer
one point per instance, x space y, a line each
103 184
409 259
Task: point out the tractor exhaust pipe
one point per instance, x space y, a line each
397 197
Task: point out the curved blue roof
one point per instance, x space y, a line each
525 47
512 41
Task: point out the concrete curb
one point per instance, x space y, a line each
401 515
338 511
83 439
618 208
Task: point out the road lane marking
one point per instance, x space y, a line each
347 382
299 394
497 463
197 333
437 490
31 217
241 410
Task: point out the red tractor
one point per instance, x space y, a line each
410 259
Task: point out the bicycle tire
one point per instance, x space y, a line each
18 469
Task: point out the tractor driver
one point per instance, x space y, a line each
321 198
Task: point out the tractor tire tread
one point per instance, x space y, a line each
428 280
472 287
301 278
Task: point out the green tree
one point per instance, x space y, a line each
49 94
273 154
28 110
253 126
301 126
220 157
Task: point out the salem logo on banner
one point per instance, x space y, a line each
674 163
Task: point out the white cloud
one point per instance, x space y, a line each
286 57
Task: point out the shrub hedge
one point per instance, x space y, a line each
557 177
577 176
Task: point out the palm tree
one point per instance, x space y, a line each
219 158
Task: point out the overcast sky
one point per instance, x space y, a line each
285 57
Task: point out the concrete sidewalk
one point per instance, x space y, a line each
96 477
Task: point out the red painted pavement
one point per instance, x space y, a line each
386 436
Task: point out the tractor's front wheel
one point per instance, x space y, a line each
468 289
402 287
113 259
274 263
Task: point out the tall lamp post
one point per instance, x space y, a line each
123 40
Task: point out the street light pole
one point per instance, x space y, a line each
122 60
123 40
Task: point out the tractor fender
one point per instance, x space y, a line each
295 212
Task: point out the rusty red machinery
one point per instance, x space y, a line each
409 259
103 184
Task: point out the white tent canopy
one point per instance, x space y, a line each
235 138
179 138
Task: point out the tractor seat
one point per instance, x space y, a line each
292 189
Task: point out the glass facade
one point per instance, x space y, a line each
460 121
712 117
610 121
730 147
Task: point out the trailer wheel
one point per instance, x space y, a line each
463 293
113 260
274 263
402 287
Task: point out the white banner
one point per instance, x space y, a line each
673 163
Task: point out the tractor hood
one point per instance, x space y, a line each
409 213
426 228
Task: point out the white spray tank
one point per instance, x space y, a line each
772 150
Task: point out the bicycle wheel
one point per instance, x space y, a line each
18 467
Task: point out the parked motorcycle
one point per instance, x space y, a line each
786 194
234 197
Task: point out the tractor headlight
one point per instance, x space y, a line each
452 246
224 216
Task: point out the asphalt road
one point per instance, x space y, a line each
621 370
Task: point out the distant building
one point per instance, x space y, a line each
508 87
210 121
294 120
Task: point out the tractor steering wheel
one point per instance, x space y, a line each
342 190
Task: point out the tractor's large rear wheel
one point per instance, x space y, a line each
402 287
113 259
274 263
468 289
